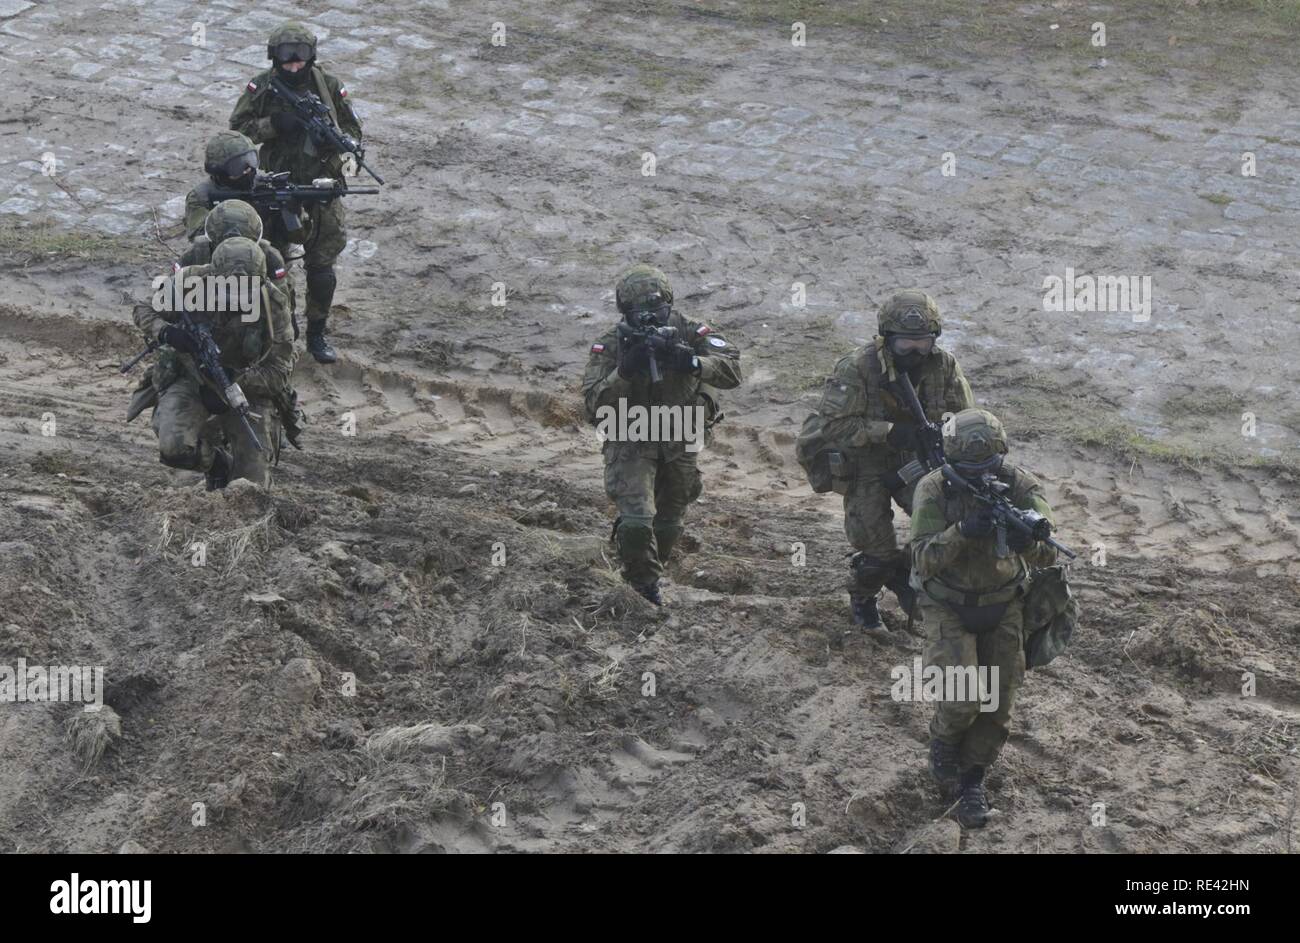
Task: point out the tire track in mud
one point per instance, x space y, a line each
682 774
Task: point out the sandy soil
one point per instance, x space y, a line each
505 707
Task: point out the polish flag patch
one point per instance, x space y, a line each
252 86
343 92
704 329
597 348
278 274
176 267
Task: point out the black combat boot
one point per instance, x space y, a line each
317 345
866 613
218 474
321 283
943 764
972 804
651 592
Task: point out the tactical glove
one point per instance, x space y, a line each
683 360
177 339
977 523
901 435
633 360
893 481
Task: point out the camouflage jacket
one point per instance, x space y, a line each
859 406
971 565
296 154
719 370
260 355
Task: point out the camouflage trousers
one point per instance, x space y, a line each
978 734
323 240
869 525
189 433
651 492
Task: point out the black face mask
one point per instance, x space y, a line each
294 79
910 360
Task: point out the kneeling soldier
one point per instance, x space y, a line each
192 413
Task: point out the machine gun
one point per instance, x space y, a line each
276 193
315 116
991 492
661 341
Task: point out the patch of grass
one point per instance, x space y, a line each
42 241
64 462
1048 408
1218 199
1214 401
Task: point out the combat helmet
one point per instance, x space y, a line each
911 312
644 288
909 323
232 218
974 442
239 256
230 157
289 42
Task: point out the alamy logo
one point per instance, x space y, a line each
955 683
241 294
81 684
103 897
626 423
1125 293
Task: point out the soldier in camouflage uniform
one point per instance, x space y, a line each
870 421
653 483
264 118
236 218
972 600
190 416
230 160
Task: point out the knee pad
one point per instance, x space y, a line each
187 458
321 283
633 537
868 569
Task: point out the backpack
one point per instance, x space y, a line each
1051 614
826 467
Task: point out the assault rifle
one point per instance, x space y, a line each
315 116
660 340
991 492
929 437
208 357
276 193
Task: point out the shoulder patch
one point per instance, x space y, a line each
278 274
252 86
717 342
597 348
703 329
176 267
343 92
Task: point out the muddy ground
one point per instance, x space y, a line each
350 671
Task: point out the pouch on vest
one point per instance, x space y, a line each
1051 613
841 468
814 453
979 619
145 396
